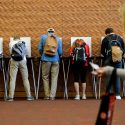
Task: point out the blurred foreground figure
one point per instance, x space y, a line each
107 70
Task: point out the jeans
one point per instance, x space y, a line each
117 86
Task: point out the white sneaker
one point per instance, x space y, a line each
118 97
77 97
84 97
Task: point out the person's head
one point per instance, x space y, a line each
16 38
79 42
51 31
109 31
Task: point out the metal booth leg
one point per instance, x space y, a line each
39 74
94 84
66 78
34 81
5 68
5 81
100 80
123 89
123 83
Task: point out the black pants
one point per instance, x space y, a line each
79 72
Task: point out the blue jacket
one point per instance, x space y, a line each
45 57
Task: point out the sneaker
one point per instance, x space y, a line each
84 97
9 99
30 98
52 98
77 97
46 98
118 97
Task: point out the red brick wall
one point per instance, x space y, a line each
68 17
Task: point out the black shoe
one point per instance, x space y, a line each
9 99
30 98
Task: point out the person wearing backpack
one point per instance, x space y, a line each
50 48
18 62
79 52
113 48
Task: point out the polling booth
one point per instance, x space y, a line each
30 63
2 68
1 46
68 72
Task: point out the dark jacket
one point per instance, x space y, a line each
105 44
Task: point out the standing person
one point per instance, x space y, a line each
20 63
80 53
50 48
112 49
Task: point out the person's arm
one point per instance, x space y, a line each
10 47
60 51
11 44
107 70
121 73
102 50
72 49
40 46
122 45
104 47
87 50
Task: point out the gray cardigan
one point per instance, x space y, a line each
120 72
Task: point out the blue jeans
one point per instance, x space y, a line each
117 86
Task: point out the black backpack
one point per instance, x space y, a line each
79 53
18 51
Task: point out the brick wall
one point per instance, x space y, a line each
68 17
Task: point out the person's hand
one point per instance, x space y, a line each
99 72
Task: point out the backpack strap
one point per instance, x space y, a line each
109 38
117 39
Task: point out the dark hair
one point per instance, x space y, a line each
109 30
16 37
